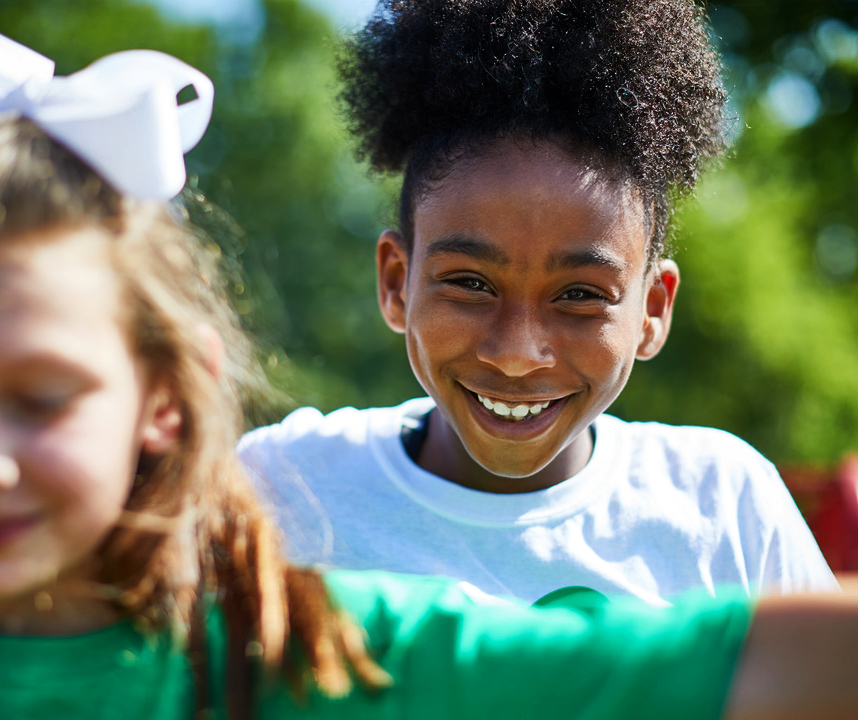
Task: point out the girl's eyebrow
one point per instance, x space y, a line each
582 258
40 361
472 247
489 252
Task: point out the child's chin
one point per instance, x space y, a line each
510 468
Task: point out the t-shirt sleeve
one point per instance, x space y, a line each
451 657
275 458
790 559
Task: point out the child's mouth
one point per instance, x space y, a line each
11 528
514 412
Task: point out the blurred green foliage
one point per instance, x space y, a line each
765 337
275 158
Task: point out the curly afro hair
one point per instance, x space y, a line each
631 85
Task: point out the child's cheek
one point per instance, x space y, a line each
79 461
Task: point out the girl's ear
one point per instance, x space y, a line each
161 422
391 261
658 310
213 347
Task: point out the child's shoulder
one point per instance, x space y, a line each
694 437
349 423
684 445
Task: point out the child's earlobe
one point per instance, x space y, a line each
392 266
658 311
162 423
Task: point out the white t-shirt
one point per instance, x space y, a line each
657 510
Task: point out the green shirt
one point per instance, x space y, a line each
450 657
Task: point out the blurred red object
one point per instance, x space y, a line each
828 499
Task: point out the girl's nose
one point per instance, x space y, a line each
10 473
517 344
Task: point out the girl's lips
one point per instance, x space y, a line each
524 418
513 410
12 527
525 401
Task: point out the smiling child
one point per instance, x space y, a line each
541 143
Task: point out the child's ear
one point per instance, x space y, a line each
161 422
213 347
658 311
392 264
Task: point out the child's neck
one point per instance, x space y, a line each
54 612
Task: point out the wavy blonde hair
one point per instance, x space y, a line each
193 529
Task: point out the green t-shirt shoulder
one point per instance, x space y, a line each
450 657
453 657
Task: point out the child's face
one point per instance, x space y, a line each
526 290
74 408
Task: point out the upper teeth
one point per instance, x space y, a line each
516 412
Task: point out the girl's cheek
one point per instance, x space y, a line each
52 470
71 458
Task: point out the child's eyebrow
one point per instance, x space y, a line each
583 258
37 362
464 245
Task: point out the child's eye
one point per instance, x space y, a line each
578 295
35 408
469 283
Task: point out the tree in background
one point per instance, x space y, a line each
276 160
765 340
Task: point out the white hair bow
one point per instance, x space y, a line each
119 114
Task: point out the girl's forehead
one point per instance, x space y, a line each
505 166
60 273
47 245
534 191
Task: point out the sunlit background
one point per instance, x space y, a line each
765 340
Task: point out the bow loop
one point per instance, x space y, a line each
119 114
21 66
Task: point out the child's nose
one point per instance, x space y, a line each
10 473
517 344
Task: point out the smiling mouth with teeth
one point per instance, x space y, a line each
517 412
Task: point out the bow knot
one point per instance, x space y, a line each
120 114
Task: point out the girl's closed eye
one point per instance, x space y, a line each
37 407
38 402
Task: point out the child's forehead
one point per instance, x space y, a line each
59 297
515 189
43 266
507 164
49 244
